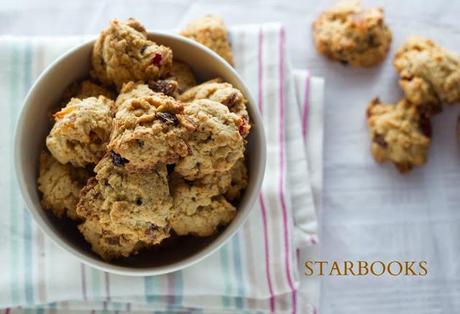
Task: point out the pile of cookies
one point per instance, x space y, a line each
429 78
140 152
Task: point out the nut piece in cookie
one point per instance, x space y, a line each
81 131
147 131
60 185
123 53
215 143
132 90
124 212
86 89
210 31
400 133
224 93
430 74
198 208
352 35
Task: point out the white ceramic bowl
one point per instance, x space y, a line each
34 124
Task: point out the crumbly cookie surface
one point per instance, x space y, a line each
210 31
199 209
352 35
183 74
400 133
60 186
81 131
215 143
430 74
224 93
123 53
132 90
124 212
147 131
85 89
238 181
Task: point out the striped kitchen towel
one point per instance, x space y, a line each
256 271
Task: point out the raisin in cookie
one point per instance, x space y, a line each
147 131
123 53
86 89
215 142
199 209
81 131
430 74
224 93
180 79
60 185
210 31
167 86
399 133
124 212
350 34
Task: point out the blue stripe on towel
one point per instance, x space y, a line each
14 240
28 256
238 271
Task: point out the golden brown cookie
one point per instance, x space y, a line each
199 209
400 133
183 74
86 89
224 93
132 90
81 131
430 74
124 212
60 185
148 131
238 181
123 53
210 31
352 35
215 143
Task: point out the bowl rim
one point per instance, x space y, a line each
99 264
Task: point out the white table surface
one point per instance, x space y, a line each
418 221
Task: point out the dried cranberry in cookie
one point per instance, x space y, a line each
224 93
215 141
430 74
400 133
123 53
210 31
60 185
81 131
147 131
352 35
124 212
